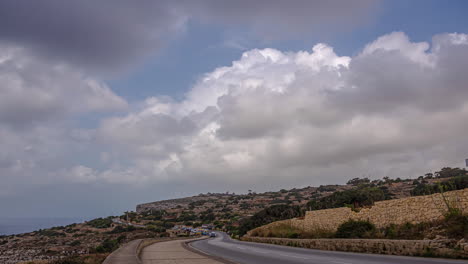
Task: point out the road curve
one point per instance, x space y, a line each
257 253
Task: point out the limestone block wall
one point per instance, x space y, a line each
399 211
379 246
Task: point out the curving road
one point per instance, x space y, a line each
257 253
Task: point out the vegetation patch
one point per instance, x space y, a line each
49 233
110 245
365 195
457 183
86 259
356 229
269 215
100 222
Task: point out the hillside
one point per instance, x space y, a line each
228 211
235 213
252 202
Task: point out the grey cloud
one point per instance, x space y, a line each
33 90
93 34
112 35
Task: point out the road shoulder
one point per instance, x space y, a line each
188 247
175 251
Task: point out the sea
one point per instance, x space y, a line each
13 226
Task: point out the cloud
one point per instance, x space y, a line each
101 35
271 119
33 90
109 36
304 117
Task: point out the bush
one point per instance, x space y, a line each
121 229
355 198
100 222
109 245
49 233
156 229
456 225
75 243
358 181
269 215
405 231
456 183
355 229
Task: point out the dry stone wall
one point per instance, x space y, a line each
413 210
428 248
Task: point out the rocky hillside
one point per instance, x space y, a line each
252 202
95 238
227 210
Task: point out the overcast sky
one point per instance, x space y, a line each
107 104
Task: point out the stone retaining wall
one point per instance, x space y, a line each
429 248
413 210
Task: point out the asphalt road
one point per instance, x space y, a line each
257 253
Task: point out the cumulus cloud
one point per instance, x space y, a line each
112 35
395 108
271 119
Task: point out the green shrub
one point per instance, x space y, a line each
110 245
355 229
269 215
75 243
406 231
354 198
49 233
456 183
456 225
121 229
100 222
157 229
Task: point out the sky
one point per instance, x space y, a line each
107 104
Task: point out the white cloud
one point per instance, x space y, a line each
271 119
309 116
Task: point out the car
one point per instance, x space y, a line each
212 234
